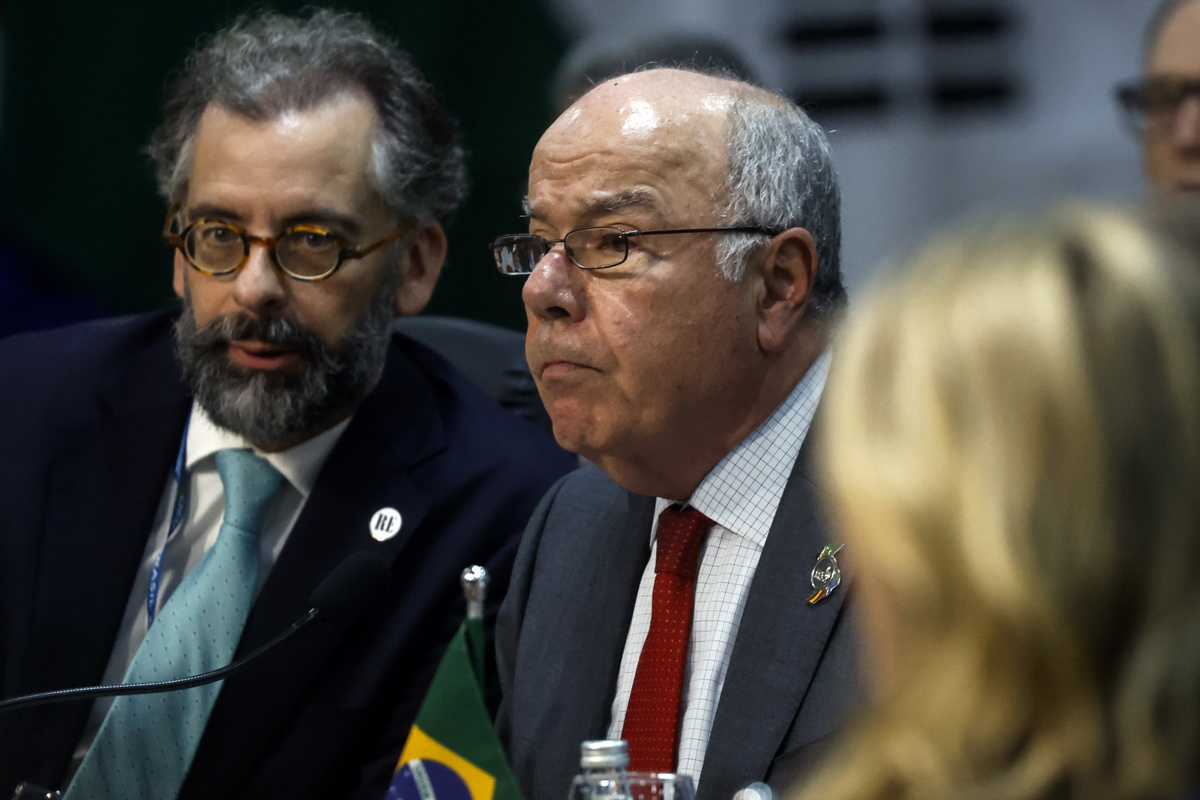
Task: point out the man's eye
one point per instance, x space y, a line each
1164 94
218 235
314 241
613 242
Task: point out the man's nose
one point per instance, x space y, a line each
260 283
554 290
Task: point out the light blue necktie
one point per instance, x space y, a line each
146 742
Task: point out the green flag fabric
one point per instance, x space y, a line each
452 752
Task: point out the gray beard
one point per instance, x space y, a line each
266 407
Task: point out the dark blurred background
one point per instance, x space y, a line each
81 86
935 108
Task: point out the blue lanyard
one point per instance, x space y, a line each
177 512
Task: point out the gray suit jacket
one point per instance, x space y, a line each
793 672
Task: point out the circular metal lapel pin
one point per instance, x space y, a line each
826 575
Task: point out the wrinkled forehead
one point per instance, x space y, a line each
669 131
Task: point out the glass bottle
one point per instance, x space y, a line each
603 775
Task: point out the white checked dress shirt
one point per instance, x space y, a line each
740 495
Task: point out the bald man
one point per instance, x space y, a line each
1164 105
682 262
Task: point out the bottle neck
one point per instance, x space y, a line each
607 781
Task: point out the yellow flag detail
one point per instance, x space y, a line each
420 745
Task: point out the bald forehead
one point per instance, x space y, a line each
687 90
652 102
668 124
1176 42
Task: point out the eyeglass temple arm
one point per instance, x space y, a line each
169 236
359 252
736 229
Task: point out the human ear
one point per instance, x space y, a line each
787 274
178 282
424 255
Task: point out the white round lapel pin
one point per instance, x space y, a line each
385 523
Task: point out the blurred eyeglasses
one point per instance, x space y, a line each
588 248
304 252
1150 104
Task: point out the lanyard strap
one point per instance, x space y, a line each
177 512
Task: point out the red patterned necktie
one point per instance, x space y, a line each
652 719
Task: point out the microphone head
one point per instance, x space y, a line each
358 582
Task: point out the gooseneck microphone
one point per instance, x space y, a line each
354 585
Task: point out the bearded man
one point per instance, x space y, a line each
175 485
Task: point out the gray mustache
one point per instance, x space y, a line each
278 331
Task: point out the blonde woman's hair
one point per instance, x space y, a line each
1012 444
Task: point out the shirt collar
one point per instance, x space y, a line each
742 492
299 464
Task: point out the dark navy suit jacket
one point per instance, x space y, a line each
90 422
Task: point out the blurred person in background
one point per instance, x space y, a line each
1163 106
1012 446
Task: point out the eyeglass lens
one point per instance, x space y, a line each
518 254
590 248
1154 102
218 248
594 248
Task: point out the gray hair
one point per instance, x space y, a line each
264 65
781 175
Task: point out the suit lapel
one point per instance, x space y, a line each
778 646
574 635
369 468
597 638
106 478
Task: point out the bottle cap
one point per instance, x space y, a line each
604 753
755 791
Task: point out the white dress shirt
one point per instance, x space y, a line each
201 523
740 495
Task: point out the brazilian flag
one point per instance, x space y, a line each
452 752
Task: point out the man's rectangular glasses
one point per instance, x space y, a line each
588 248
1150 104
